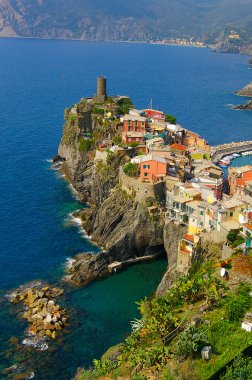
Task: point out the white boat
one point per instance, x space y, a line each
235 155
227 158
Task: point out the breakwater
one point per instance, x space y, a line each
230 148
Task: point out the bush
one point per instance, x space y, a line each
238 303
117 139
124 105
241 369
190 341
85 145
170 119
133 144
131 169
98 111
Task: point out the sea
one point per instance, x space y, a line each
38 80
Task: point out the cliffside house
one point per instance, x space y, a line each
193 141
187 252
155 115
238 179
133 123
152 168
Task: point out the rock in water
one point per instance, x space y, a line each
246 91
247 106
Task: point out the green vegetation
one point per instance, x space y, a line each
166 342
170 119
241 369
98 111
117 139
238 303
131 169
234 239
85 145
124 105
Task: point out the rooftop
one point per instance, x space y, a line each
152 157
178 146
136 117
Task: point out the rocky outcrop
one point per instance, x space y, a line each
246 91
120 225
87 267
245 107
173 232
45 317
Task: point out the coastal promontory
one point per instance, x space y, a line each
246 91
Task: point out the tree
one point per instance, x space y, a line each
131 169
170 119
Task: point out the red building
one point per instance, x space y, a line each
155 115
134 123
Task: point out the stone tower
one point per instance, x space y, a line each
101 95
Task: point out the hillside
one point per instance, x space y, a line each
122 20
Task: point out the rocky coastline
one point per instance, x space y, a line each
37 303
116 221
246 91
245 107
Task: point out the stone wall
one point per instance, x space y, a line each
141 190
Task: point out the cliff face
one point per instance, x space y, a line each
118 223
172 234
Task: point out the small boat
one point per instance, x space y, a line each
227 158
222 166
235 155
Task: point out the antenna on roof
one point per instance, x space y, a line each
150 106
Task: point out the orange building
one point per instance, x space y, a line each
192 139
153 168
238 178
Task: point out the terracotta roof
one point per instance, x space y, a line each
178 146
249 226
189 237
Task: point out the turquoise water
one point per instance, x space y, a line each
38 80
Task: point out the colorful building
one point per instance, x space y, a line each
155 115
133 137
134 123
153 168
238 178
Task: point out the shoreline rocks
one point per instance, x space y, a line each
87 267
246 91
46 318
245 107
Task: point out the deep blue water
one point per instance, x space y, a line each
38 79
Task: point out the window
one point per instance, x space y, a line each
201 212
145 174
128 128
146 166
231 213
